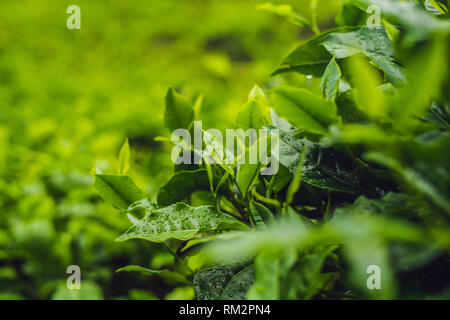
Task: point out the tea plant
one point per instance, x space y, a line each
363 182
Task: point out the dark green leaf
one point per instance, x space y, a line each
180 221
181 185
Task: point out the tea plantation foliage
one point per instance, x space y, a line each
360 205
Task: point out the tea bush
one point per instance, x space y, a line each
359 207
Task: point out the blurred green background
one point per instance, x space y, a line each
68 100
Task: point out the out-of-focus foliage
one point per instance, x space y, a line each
363 186
68 101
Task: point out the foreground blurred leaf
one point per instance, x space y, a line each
266 286
284 11
181 185
365 80
330 80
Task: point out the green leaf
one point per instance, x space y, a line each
439 5
296 180
251 116
366 80
180 221
181 185
247 176
365 40
373 43
166 274
179 112
238 286
210 282
261 213
426 71
304 110
118 190
266 285
330 80
123 164
427 176
324 167
311 57
350 15
285 11
217 153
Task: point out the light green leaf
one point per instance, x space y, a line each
180 221
118 190
166 274
330 80
365 40
251 116
304 110
418 23
285 11
366 80
266 285
123 164
257 94
247 176
179 112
